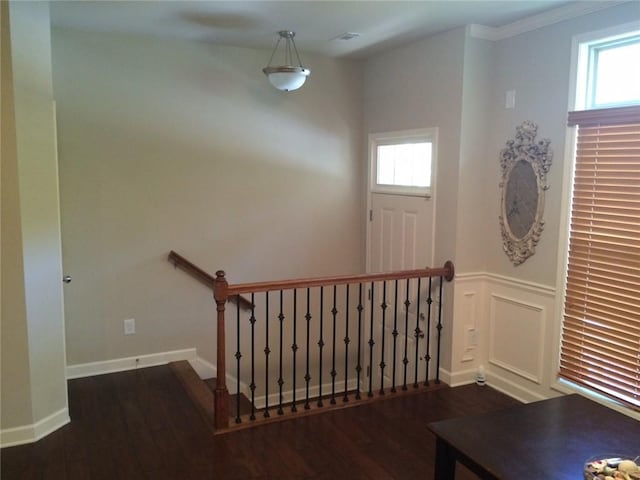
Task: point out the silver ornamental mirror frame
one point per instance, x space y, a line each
538 154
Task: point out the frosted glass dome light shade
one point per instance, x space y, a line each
287 77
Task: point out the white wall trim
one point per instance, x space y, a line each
30 433
129 363
531 376
544 19
538 288
513 389
470 277
205 370
457 379
287 395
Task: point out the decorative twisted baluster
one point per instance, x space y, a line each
267 351
439 328
238 357
405 359
427 356
359 366
395 337
321 347
252 386
384 319
280 379
307 376
334 312
345 398
417 335
371 344
294 348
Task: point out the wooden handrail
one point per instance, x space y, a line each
204 277
222 292
447 271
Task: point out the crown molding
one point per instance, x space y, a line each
540 20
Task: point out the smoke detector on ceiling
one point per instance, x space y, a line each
346 36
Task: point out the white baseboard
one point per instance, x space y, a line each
30 433
205 370
512 389
458 379
314 391
129 363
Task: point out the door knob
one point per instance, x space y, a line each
66 279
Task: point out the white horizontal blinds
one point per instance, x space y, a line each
601 329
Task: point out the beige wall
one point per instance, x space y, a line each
16 385
33 233
472 224
420 86
537 65
181 145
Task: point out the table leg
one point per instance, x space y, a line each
445 461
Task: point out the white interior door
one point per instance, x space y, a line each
400 238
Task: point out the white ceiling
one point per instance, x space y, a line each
381 24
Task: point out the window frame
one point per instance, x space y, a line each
396 138
577 101
584 63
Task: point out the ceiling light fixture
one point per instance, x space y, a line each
287 77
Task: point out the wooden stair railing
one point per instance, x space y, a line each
408 281
180 262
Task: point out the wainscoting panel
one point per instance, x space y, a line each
516 337
507 326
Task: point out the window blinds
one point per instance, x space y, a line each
601 331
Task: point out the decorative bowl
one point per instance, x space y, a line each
612 466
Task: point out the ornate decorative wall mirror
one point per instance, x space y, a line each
525 163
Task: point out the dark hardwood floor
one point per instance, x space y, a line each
142 425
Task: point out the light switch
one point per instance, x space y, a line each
510 99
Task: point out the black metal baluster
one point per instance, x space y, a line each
252 386
418 333
294 347
321 347
307 377
427 356
267 351
439 328
280 379
405 359
238 357
346 347
395 337
359 366
371 344
384 319
334 312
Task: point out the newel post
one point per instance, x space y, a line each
221 394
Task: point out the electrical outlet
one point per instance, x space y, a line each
130 326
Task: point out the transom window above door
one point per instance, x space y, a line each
401 163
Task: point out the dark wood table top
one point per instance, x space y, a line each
550 439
